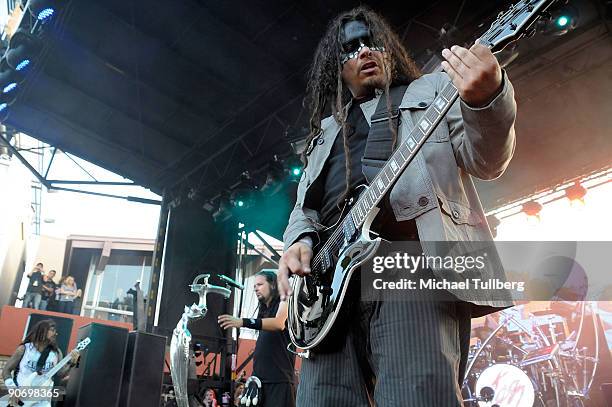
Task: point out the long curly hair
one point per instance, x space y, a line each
38 336
325 87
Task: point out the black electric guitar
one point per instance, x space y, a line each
317 298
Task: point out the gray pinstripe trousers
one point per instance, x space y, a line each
390 353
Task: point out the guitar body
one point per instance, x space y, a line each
34 380
314 305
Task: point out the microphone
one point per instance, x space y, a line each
231 282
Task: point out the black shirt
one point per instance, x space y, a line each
272 362
51 285
333 175
36 281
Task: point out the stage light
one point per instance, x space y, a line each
532 209
240 203
562 21
43 10
22 65
4 111
22 49
45 13
293 166
9 82
576 194
10 87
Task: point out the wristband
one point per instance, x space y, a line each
307 240
251 323
10 383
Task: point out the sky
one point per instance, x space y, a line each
68 213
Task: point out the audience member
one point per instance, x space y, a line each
67 293
48 291
33 293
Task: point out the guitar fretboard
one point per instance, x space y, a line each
402 156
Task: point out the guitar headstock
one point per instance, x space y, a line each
83 344
515 23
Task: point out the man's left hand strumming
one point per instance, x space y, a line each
475 73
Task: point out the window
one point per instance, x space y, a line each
107 292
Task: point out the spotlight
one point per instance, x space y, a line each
9 82
22 49
4 111
532 209
43 10
22 65
10 87
576 194
294 168
562 21
242 195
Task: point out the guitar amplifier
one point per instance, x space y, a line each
96 381
143 370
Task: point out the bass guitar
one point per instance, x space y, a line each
38 387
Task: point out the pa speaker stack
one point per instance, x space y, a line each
117 369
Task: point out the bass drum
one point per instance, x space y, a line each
510 385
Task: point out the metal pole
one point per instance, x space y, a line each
156 264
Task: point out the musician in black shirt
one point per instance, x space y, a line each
273 364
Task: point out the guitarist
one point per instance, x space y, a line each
396 353
37 353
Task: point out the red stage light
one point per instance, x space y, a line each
576 193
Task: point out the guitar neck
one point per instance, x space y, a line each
57 367
403 155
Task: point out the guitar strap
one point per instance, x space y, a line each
379 144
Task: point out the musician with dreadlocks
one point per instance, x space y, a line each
272 363
37 353
396 353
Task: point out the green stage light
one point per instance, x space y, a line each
240 203
562 21
296 171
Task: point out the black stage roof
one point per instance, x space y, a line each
188 94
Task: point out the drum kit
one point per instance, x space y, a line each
531 362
